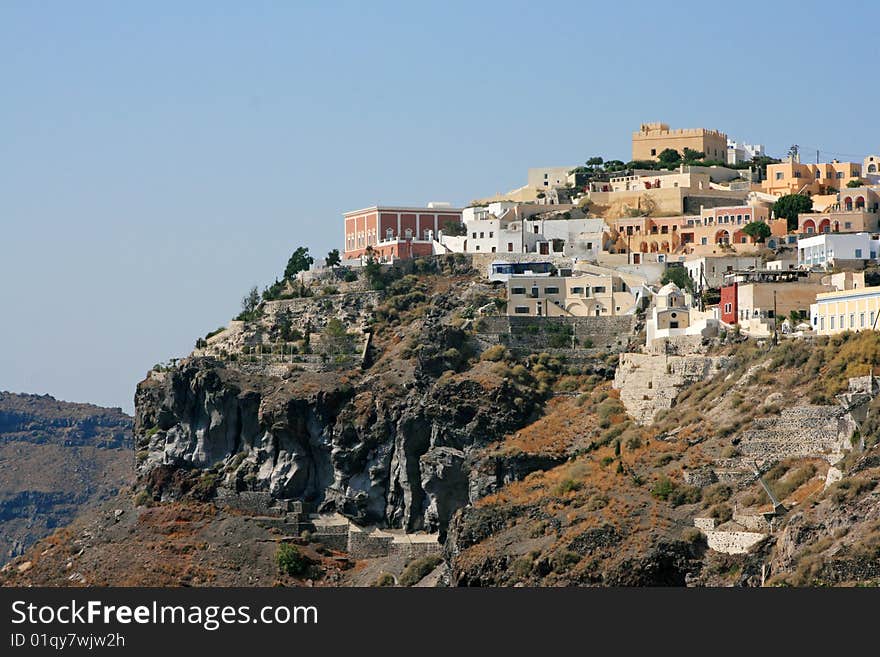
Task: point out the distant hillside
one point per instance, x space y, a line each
56 459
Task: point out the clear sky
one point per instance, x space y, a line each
159 158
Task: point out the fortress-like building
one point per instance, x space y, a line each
654 138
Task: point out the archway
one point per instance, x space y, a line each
825 226
722 237
809 227
847 203
653 247
643 247
739 237
835 227
860 203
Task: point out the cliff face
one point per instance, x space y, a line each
56 460
386 445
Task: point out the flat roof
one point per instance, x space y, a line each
843 295
402 208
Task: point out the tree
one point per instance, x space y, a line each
679 276
453 228
299 261
251 300
669 156
690 155
373 272
249 304
790 206
594 162
333 258
856 182
757 230
336 340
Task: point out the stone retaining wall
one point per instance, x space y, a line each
649 383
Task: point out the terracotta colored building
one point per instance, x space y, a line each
792 177
396 232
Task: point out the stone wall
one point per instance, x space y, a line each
801 431
733 542
649 383
752 522
537 333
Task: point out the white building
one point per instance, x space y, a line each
824 250
671 316
739 152
708 272
507 227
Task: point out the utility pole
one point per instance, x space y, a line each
775 321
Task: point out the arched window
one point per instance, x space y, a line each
389 233
408 233
872 168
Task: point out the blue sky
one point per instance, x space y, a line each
157 159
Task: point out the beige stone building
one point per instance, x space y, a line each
586 295
654 138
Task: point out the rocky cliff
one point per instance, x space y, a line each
56 460
385 444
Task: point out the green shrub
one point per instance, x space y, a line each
494 354
384 579
418 569
290 560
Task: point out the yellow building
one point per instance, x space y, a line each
795 178
654 138
847 310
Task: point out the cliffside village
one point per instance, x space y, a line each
601 240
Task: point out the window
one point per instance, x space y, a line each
477 247
847 224
778 175
474 235
862 320
746 217
536 229
409 233
704 241
482 235
599 290
872 318
727 307
577 290
840 323
493 249
821 323
832 322
818 175
839 175
510 246
551 290
673 325
653 151
521 310
858 253
389 233
517 290
739 218
852 320
491 234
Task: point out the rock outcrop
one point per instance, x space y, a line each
59 458
649 383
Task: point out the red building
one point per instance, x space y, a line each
728 304
395 232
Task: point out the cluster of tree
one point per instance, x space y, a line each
790 206
596 168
